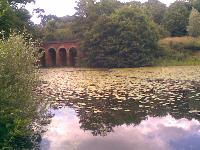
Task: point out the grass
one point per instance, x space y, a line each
186 42
179 51
190 61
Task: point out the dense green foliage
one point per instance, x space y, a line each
176 18
18 80
115 38
196 4
59 29
18 108
120 40
156 10
14 17
194 23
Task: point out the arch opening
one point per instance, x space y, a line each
52 56
42 61
72 56
63 57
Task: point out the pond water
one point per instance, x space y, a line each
122 109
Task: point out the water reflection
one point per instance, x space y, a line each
162 133
123 109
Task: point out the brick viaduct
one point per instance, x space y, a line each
60 54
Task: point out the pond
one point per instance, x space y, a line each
122 109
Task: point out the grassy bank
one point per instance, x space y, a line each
179 51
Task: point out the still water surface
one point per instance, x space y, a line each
122 109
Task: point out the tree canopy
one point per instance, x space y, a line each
119 40
194 23
13 17
196 4
176 18
156 10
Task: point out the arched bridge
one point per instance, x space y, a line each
60 53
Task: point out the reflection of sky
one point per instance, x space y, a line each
164 133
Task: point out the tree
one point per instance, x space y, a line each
194 23
106 7
47 18
6 17
18 80
196 4
13 17
156 10
134 3
20 1
21 19
126 38
86 15
14 3
176 18
58 29
84 8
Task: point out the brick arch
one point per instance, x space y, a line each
62 56
51 55
60 53
72 56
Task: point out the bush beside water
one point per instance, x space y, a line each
18 79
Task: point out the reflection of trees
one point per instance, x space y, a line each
100 114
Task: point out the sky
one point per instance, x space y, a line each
62 8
